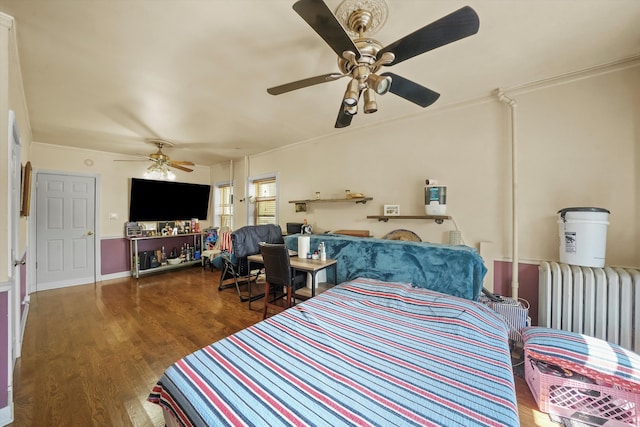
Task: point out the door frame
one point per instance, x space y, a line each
15 314
31 259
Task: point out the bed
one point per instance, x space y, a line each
365 352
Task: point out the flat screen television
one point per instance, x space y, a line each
152 200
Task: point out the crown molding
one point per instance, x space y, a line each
597 70
6 21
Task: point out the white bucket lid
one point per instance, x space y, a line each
563 212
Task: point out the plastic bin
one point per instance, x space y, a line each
588 403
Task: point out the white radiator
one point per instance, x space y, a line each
599 302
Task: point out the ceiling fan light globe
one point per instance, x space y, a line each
370 104
352 93
350 101
381 84
351 110
152 175
159 171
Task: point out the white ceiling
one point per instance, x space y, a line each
108 74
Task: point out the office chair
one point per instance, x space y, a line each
279 274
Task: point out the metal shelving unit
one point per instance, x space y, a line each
133 251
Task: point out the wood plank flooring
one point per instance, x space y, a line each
92 353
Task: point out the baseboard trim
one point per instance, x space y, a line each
118 275
23 325
6 414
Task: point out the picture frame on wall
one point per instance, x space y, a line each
391 210
25 204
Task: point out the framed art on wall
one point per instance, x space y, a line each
391 210
26 190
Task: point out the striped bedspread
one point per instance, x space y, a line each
363 353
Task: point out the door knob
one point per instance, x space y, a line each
18 262
89 233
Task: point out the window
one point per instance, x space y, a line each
264 194
224 206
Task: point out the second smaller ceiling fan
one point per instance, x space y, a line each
162 162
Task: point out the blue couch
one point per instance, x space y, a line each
454 270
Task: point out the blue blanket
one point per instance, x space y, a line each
454 270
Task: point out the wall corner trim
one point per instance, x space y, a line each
6 21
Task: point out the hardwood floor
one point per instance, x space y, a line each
92 353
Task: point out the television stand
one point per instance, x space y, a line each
166 241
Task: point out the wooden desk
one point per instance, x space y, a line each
312 266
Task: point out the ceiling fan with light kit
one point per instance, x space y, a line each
362 57
162 162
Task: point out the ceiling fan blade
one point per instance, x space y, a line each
411 91
182 163
343 119
288 87
457 25
182 168
318 15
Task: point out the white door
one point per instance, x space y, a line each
65 224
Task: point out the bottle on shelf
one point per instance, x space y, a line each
323 251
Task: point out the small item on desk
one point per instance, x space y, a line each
315 255
323 252
308 255
306 228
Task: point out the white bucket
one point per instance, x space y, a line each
583 236
435 199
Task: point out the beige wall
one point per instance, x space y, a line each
114 179
11 98
18 105
578 148
578 144
5 23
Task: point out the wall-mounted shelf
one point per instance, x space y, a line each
301 205
439 219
